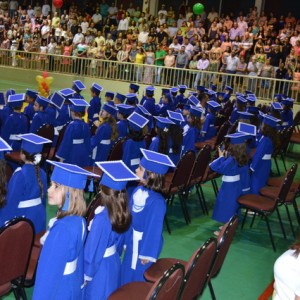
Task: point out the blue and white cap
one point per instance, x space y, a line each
132 98
57 100
112 110
150 90
121 97
67 92
110 94
96 88
33 143
241 99
115 174
31 93
78 105
288 102
246 128
125 109
237 138
78 86
228 88
137 122
271 121
213 105
196 111
251 98
163 123
182 88
3 147
174 89
42 101
134 87
16 100
156 162
176 117
142 110
193 100
276 106
245 115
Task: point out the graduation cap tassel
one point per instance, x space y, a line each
91 186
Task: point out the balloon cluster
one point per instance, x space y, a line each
44 82
57 3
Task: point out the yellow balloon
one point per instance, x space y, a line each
49 80
39 78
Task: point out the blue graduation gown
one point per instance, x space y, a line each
39 119
245 179
4 114
52 115
162 109
226 203
75 147
261 164
29 111
208 129
189 139
149 104
101 143
122 128
287 118
148 209
15 124
132 154
64 115
234 116
94 109
58 275
180 99
22 187
102 264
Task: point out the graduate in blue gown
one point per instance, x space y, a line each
144 239
60 273
149 101
41 117
287 117
231 164
208 129
75 147
95 104
27 188
180 98
124 111
166 104
16 123
240 105
188 142
262 159
30 98
133 88
106 134
102 263
78 87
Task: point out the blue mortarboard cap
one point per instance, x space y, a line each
31 93
246 128
271 121
251 98
57 100
121 97
33 143
131 98
213 105
193 93
182 87
125 109
228 88
78 105
220 94
150 88
42 101
78 85
67 92
174 89
70 175
156 162
112 110
253 109
195 111
249 92
200 88
2 98
134 87
186 107
241 99
276 106
137 122
165 91
110 94
245 115
175 116
278 97
9 92
288 102
237 138
213 87
239 94
4 147
96 88
16 100
193 100
116 174
163 123
142 110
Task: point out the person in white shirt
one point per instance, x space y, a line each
78 37
202 65
100 38
242 25
175 46
46 9
123 24
172 30
97 19
84 25
143 35
163 11
112 14
212 15
188 47
30 12
294 38
231 65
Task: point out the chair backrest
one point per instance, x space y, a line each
46 131
90 212
297 119
169 285
116 152
222 132
8 172
197 270
60 138
16 240
286 138
183 171
148 139
224 241
93 129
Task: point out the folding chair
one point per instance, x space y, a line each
46 131
116 152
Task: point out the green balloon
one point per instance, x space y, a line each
198 8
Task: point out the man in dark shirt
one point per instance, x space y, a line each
161 35
275 58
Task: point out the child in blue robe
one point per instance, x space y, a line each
95 104
287 117
124 111
208 129
30 98
41 117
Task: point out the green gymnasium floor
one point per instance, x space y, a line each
248 268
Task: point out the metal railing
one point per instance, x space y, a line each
264 88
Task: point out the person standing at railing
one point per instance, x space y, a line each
51 50
252 69
13 6
266 71
149 61
139 60
122 56
160 55
231 66
202 65
182 61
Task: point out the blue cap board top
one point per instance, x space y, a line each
193 100
213 87
132 98
246 128
70 175
237 94
196 111
237 138
163 123
175 116
200 88
271 121
228 88
150 88
141 109
253 109
115 174
33 143
278 97
165 90
125 109
251 98
174 89
213 105
121 97
112 110
241 99
67 92
31 93
276 106
137 122
97 87
42 101
156 162
245 115
110 94
249 92
182 87
210 92
2 98
193 93
57 100
288 102
16 100
3 147
78 105
220 94
77 84
134 87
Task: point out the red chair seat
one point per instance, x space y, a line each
94 169
5 288
276 181
14 156
210 142
272 192
257 202
133 290
295 139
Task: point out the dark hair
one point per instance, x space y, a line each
196 122
163 136
116 203
296 247
114 130
136 136
154 181
79 114
239 153
3 183
271 133
176 135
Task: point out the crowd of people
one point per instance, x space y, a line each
236 43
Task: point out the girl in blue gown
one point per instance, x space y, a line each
287 117
41 117
144 239
102 264
30 98
124 111
208 129
60 272
95 104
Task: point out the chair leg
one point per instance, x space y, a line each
200 200
296 211
183 208
244 219
167 224
280 222
211 289
283 161
253 218
290 220
203 198
270 233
